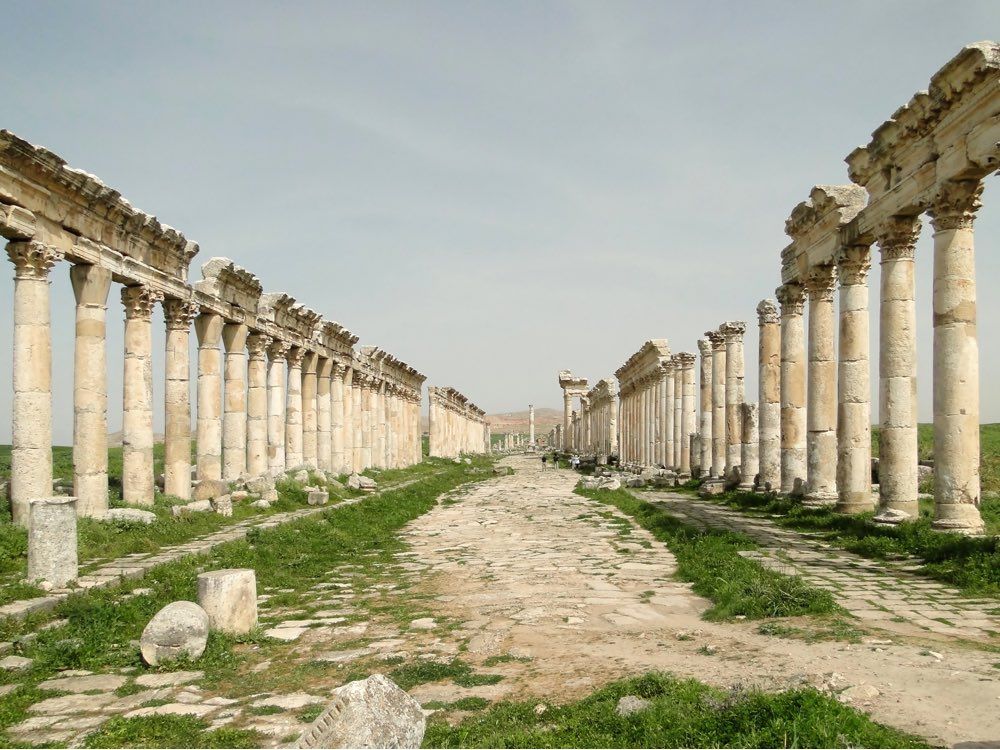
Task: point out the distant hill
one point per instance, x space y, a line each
517 421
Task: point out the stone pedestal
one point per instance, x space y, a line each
178 315
793 390
821 418
257 459
234 418
208 327
137 411
229 597
277 351
769 395
52 541
90 390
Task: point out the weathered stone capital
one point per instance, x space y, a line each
897 237
339 369
790 297
820 282
853 264
705 347
668 366
139 301
277 349
733 330
717 339
32 260
258 345
956 204
294 356
686 360
178 314
767 312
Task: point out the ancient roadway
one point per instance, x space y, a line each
541 573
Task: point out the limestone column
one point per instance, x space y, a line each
138 480
277 353
531 424
257 459
769 395
749 456
854 430
643 423
90 390
356 414
31 436
293 409
379 425
705 413
793 390
679 439
611 427
897 372
367 409
324 446
718 439
309 404
178 315
821 417
337 418
733 331
956 360
567 410
688 428
208 327
234 415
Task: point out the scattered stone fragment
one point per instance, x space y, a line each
290 701
858 694
208 489
166 679
229 597
260 504
15 663
424 623
361 482
179 629
631 704
317 497
130 515
223 505
199 506
83 684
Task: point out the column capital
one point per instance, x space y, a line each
686 360
790 297
820 282
310 359
277 349
31 259
139 301
897 237
705 347
178 314
339 369
956 204
294 356
767 312
853 264
257 345
733 330
716 339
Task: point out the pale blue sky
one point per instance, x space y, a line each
492 191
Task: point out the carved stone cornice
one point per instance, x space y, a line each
853 264
257 345
139 301
767 312
179 314
820 283
897 237
32 260
956 204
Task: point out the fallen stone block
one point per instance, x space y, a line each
239 496
260 504
317 497
199 506
130 515
223 505
261 484
179 629
361 482
631 704
301 475
229 597
208 489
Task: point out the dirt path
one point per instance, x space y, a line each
532 570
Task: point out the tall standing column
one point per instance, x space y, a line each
208 327
277 353
793 390
854 424
643 423
379 423
733 331
688 428
956 360
90 390
257 460
367 409
357 463
662 411
309 403
31 452
324 445
705 404
178 315
897 372
679 439
337 418
567 412
769 395
667 368
611 426
137 408
750 448
531 424
293 409
234 415
718 437
821 417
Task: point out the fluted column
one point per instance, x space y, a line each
688 428
705 407
277 353
137 403
90 390
793 390
854 423
769 395
897 372
293 409
337 414
324 445
31 450
178 315
257 458
234 416
309 404
821 417
208 327
956 360
718 342
733 331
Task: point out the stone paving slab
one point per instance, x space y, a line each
883 593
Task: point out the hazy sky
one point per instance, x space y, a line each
491 191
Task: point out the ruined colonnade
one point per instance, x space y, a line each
455 424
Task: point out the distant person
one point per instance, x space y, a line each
575 462
544 461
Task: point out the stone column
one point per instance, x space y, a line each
90 390
257 454
854 423
705 407
293 410
378 425
337 418
31 436
367 409
567 410
349 446
138 480
324 446
733 331
897 372
793 390
821 417
277 352
643 423
611 426
356 414
531 424
679 439
208 327
769 395
234 415
749 456
718 342
178 315
687 360
309 401
956 360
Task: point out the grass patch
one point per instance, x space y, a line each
169 731
683 713
711 561
309 714
457 671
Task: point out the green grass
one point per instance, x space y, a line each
456 670
169 731
683 713
711 561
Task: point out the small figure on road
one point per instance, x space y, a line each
544 460
575 462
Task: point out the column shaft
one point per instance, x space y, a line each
769 395
293 410
309 409
793 390
324 445
234 416
257 402
276 354
208 327
137 411
178 315
821 417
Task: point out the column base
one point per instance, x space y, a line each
897 514
819 500
855 502
960 519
